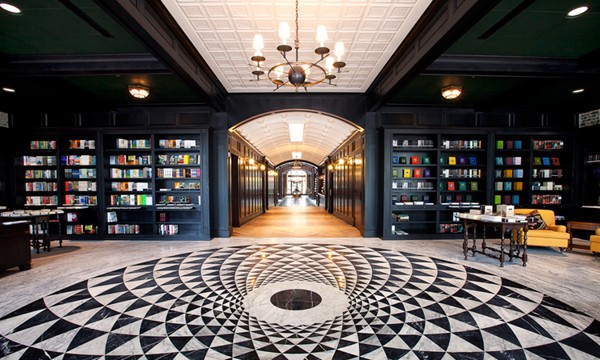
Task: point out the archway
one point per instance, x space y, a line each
283 140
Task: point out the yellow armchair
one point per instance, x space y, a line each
595 243
553 236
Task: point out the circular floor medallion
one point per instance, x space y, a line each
296 299
375 304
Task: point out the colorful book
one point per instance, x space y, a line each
402 160
451 186
462 186
499 144
555 161
406 173
472 160
395 159
394 173
451 160
546 161
414 160
518 144
537 161
474 186
417 173
462 160
426 160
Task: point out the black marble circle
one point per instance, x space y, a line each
296 299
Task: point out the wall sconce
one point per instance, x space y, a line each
139 91
262 167
330 167
251 161
451 92
341 161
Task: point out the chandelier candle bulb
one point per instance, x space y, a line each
284 32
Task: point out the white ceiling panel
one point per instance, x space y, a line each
222 30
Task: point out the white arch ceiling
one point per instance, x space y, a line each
270 134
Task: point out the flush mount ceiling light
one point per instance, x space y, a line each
578 91
139 91
299 73
296 155
577 11
8 90
451 92
10 8
296 132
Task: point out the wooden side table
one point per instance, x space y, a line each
579 225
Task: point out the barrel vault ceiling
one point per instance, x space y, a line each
80 55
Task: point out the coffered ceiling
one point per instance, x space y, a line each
223 33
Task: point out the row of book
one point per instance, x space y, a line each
81 200
412 185
546 161
461 173
508 160
41 186
400 217
133 144
509 144
405 143
459 186
413 160
168 173
506 199
184 185
179 159
144 173
83 173
462 144
420 199
80 229
130 200
47 160
42 145
449 228
82 144
508 186
129 186
456 198
411 173
118 229
174 199
41 174
509 173
132 160
41 200
546 199
78 160
458 160
82 185
548 144
546 186
177 144
547 173
168 229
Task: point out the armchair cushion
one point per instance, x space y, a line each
553 235
536 221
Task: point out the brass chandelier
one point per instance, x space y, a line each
299 73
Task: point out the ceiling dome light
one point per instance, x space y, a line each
10 8
139 91
577 11
451 92
578 91
8 90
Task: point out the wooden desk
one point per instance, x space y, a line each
579 225
504 226
40 225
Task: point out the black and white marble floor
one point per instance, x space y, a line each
350 301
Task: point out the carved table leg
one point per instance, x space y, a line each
502 248
466 240
525 245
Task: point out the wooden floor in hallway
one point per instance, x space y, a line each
296 218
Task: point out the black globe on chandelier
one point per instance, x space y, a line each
299 73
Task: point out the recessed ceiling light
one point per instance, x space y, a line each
10 8
577 11
296 132
7 89
578 91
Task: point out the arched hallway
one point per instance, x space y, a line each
296 218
